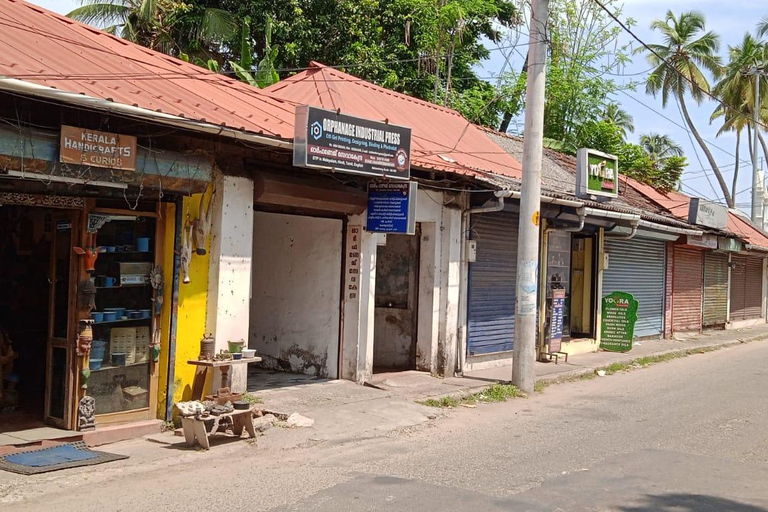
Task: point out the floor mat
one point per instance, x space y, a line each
64 456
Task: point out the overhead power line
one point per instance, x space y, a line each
666 62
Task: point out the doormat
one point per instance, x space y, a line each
54 458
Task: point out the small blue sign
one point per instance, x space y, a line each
391 207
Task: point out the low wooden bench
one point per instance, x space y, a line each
194 429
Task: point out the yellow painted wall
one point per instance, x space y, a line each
168 217
190 325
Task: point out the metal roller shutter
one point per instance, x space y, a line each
738 287
715 289
753 290
636 266
491 298
687 289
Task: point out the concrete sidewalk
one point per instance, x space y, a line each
419 386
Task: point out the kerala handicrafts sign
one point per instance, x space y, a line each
97 149
597 174
326 139
618 323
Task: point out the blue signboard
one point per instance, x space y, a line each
391 207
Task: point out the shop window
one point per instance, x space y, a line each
123 316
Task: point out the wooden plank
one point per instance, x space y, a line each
119 211
217 364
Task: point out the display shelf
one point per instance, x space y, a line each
110 367
124 252
122 321
142 285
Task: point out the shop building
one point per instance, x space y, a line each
589 249
404 313
732 287
111 188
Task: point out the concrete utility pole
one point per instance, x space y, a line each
757 193
524 349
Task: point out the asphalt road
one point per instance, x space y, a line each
687 435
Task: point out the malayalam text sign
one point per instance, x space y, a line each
391 207
98 149
326 139
617 331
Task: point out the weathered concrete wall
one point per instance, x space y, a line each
294 321
229 282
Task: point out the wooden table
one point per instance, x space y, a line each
194 429
203 367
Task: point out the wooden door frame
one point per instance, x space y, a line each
150 411
71 371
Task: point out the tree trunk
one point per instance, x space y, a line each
736 166
505 122
765 147
707 152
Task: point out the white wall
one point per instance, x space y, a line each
295 308
229 275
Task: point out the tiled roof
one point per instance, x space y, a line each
441 138
678 204
45 48
558 179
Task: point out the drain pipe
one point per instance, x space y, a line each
462 342
634 224
582 213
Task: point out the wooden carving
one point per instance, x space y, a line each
186 253
202 225
89 253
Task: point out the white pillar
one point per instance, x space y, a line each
229 281
357 352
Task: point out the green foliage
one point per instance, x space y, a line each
584 52
169 26
635 162
600 135
661 170
411 46
265 74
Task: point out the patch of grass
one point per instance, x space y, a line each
444 402
540 385
252 399
494 393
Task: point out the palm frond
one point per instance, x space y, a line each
217 25
101 14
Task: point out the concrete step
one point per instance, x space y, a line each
121 432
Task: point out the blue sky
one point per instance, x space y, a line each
730 19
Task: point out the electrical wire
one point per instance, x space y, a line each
673 68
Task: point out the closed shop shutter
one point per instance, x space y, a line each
738 287
715 289
492 283
636 266
687 289
753 289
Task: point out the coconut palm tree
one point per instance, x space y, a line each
619 118
736 89
659 148
678 70
168 26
